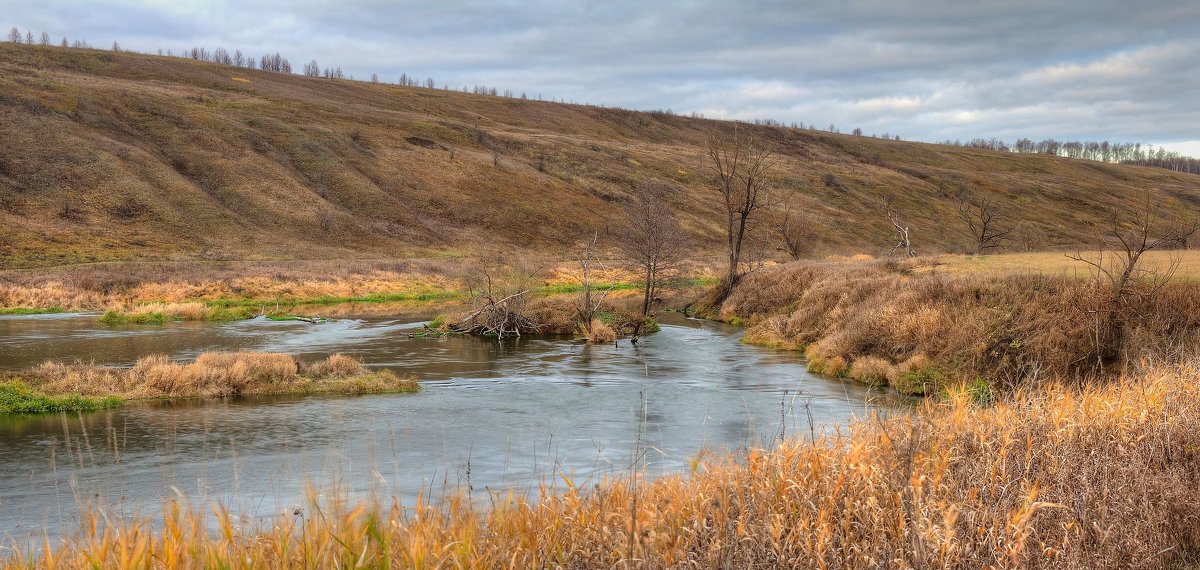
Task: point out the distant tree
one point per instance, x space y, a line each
250 63
984 221
64 42
311 69
14 35
429 84
741 165
374 78
238 59
856 132
652 239
794 230
337 74
29 37
221 56
116 46
45 39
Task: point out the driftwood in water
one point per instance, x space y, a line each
503 317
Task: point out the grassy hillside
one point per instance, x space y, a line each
117 156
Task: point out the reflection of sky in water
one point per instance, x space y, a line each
517 411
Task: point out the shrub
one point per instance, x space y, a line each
871 370
598 333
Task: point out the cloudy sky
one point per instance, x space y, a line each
1122 70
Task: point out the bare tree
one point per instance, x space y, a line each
311 69
374 78
14 35
45 39
652 239
64 42
238 59
1118 266
742 166
901 229
985 221
591 300
29 37
794 229
116 46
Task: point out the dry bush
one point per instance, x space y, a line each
337 365
1058 477
598 333
871 370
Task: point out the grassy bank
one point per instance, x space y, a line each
1098 477
911 326
16 397
55 386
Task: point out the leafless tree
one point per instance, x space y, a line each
238 59
985 221
14 35
45 39
591 299
652 239
116 46
794 229
901 231
374 78
64 43
311 69
29 37
1118 265
742 167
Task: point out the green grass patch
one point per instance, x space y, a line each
16 397
30 310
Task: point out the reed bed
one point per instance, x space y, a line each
212 374
1055 477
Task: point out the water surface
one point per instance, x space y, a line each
497 416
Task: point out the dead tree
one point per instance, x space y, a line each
985 221
902 233
742 166
652 239
1118 266
794 230
590 301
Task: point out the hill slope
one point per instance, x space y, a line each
109 156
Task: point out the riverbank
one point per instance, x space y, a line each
1100 476
56 386
907 324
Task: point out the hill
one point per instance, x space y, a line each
121 156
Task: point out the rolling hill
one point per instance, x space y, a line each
121 156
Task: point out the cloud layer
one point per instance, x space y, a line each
924 70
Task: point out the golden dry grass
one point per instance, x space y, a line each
212 374
933 327
1185 263
1057 477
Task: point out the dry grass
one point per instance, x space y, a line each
1186 264
598 333
120 156
934 328
137 287
212 374
1100 477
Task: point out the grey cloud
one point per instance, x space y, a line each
923 69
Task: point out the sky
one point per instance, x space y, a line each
1117 70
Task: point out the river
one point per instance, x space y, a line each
491 417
